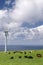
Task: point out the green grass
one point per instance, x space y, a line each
5 58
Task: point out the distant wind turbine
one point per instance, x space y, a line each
6 35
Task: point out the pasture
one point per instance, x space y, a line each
25 57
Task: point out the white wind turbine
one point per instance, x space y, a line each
6 35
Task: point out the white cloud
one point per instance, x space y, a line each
27 10
2 13
27 34
30 11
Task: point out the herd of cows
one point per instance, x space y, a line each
25 56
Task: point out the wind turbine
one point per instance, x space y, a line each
5 28
6 35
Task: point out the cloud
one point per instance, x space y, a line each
27 34
2 13
23 34
24 11
24 20
30 11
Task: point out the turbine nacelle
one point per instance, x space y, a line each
6 33
6 29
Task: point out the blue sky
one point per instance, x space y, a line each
24 21
4 4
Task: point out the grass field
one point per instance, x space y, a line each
18 57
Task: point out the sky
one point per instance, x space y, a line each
24 21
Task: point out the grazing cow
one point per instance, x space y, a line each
25 56
12 57
9 53
24 52
39 55
20 57
21 52
30 57
30 51
14 52
17 52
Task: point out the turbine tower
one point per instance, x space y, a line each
6 35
